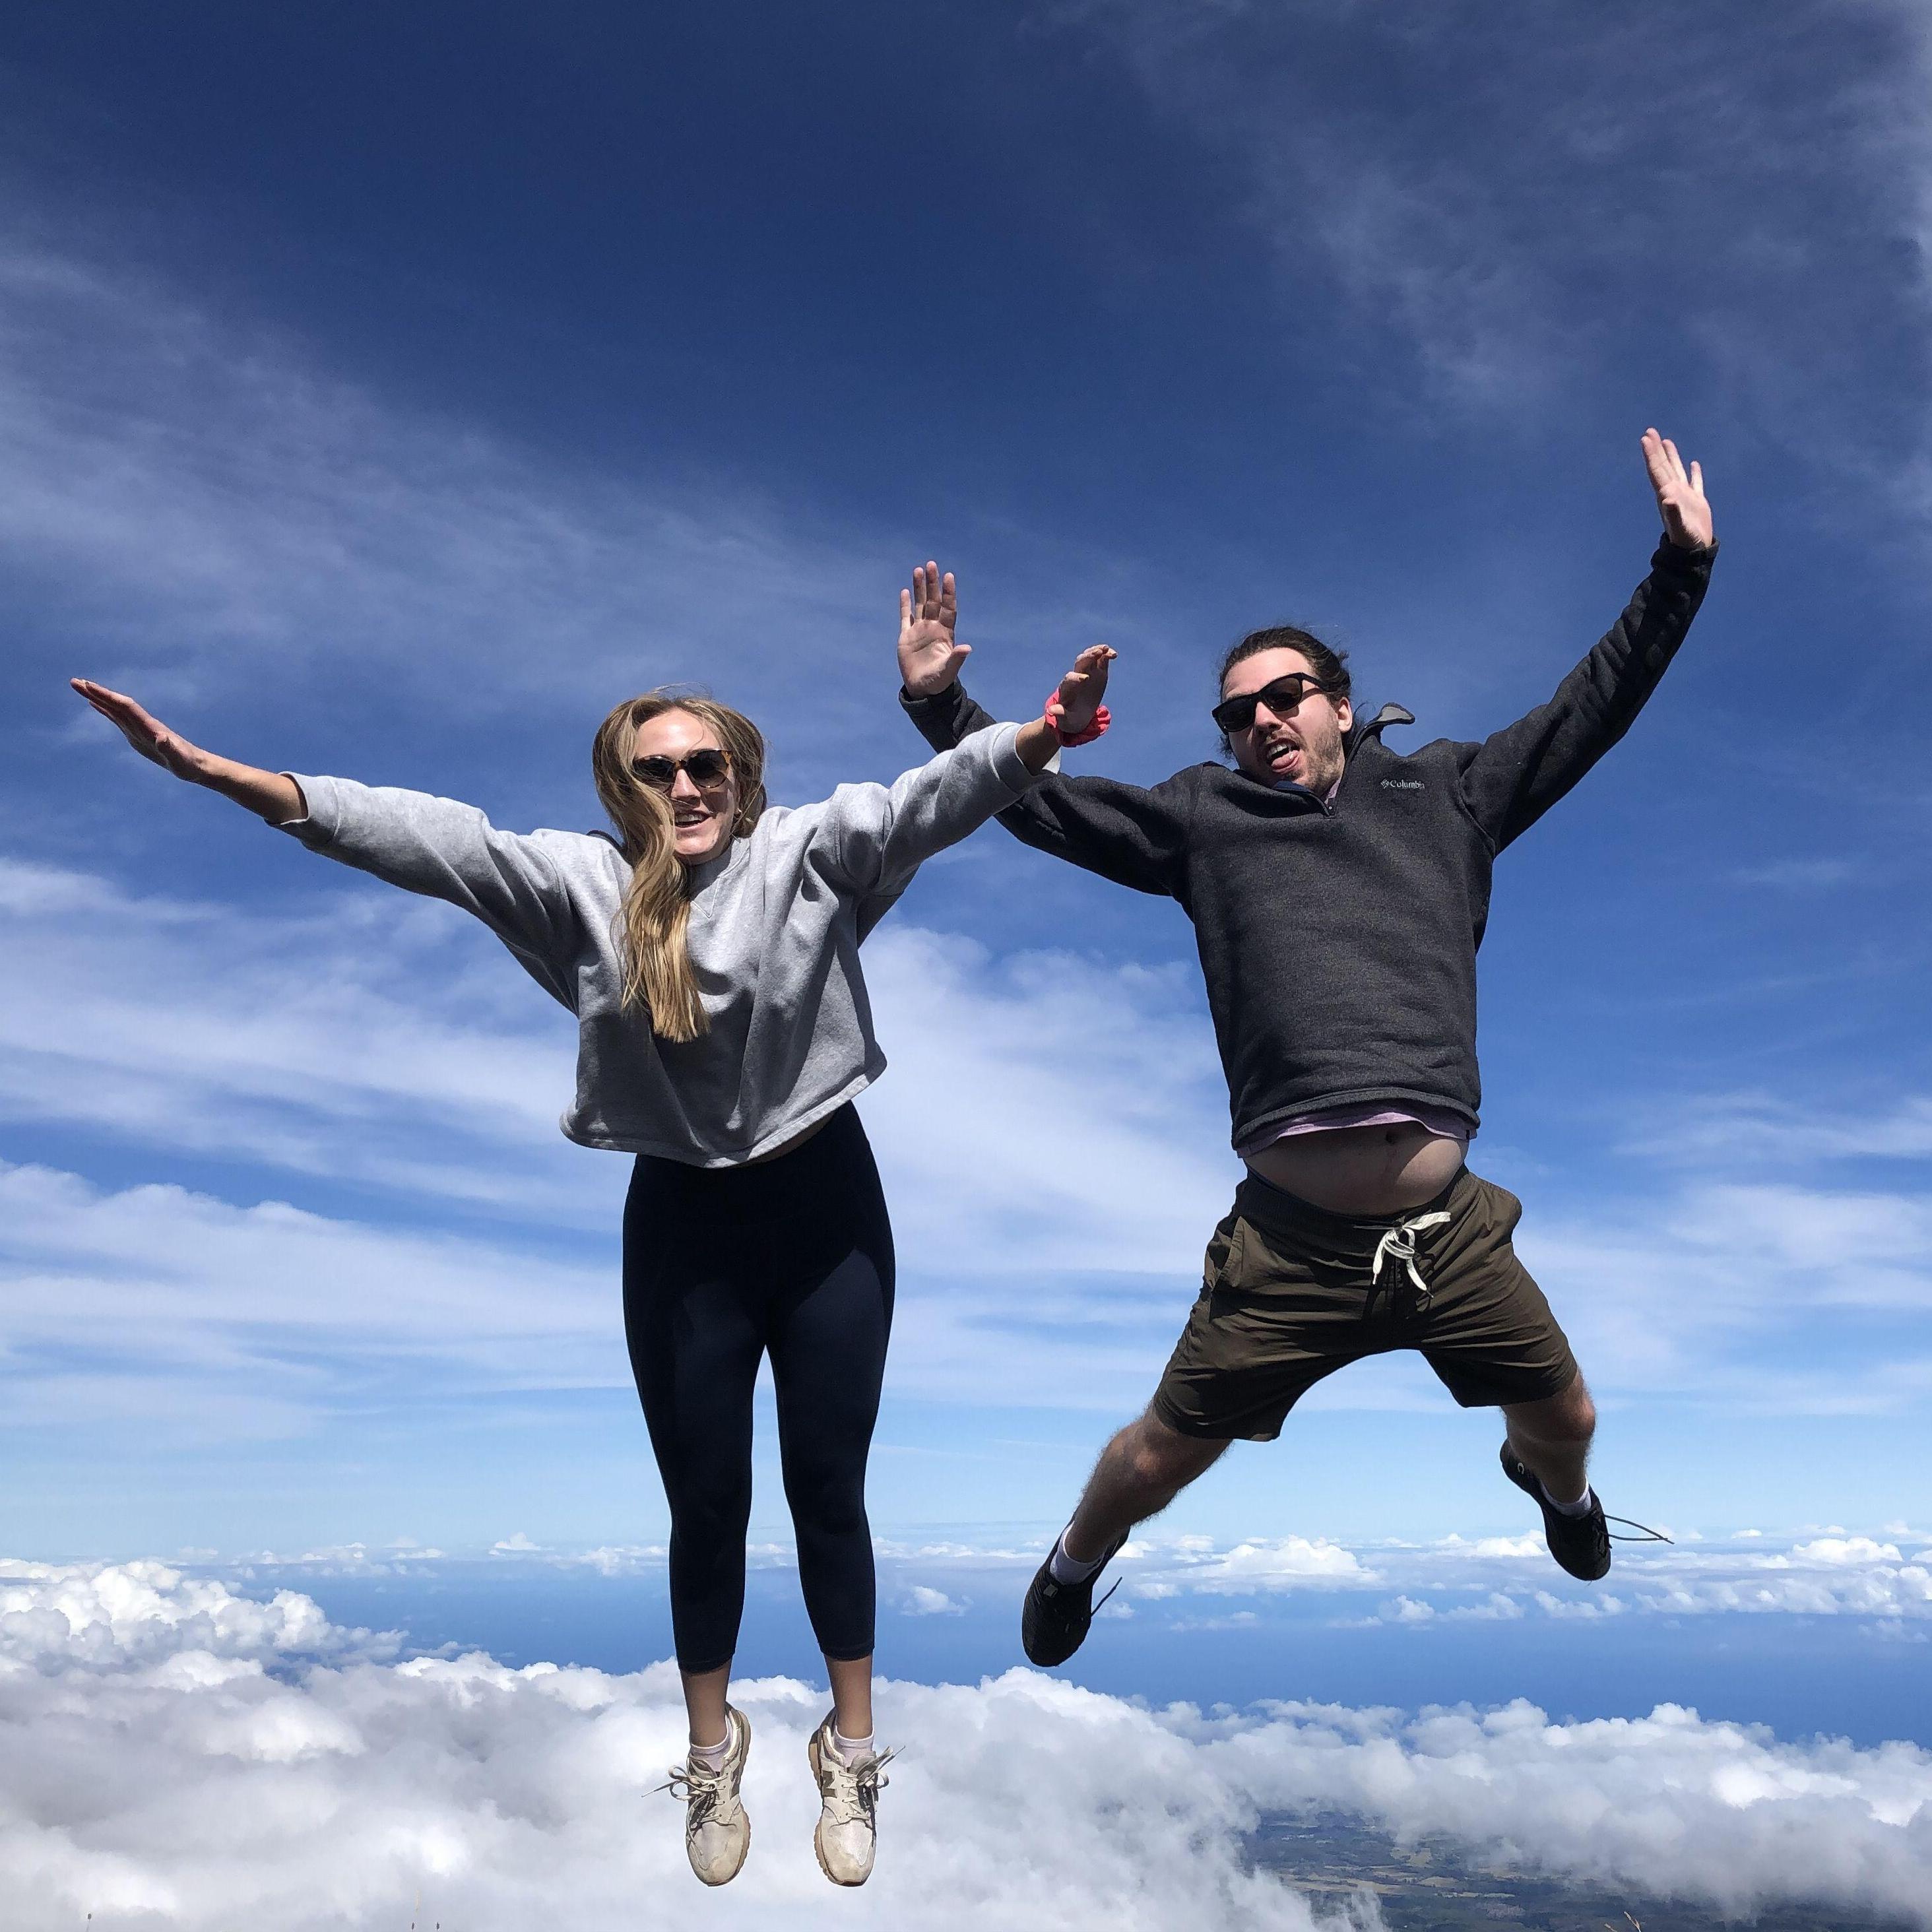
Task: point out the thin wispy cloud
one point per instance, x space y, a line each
195 503
1520 194
358 1037
200 508
1736 1131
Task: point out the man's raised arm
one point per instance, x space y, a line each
1513 777
1134 837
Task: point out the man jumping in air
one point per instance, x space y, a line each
1339 891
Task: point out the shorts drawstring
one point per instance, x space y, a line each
1398 1244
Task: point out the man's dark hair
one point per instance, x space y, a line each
1331 666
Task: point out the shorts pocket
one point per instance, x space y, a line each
1225 1254
1501 1211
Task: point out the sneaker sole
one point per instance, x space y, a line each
817 1850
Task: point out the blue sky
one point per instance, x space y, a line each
389 394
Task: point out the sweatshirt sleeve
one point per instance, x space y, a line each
509 880
1513 777
873 838
1135 837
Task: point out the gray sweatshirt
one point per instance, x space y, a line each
775 926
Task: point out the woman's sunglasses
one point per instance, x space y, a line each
1283 697
709 770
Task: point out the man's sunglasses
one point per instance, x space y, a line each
1283 697
710 770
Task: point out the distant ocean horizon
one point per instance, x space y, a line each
1802 1675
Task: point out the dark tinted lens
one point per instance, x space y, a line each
707 769
1282 696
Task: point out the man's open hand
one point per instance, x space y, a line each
930 655
1680 493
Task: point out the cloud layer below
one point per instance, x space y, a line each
188 1757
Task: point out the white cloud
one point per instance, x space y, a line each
367 1037
226 1766
1113 1163
348 1035
1494 1578
1252 1565
1185 1583
359 1036
250 1319
922 1601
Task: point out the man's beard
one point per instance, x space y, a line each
1321 762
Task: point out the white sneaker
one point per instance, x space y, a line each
717 1829
847 1832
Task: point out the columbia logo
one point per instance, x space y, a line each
1402 784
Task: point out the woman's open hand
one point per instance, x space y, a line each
146 733
272 795
1082 690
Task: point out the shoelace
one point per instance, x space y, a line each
700 1789
1398 1244
863 1801
1649 1535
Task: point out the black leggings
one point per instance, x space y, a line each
793 1256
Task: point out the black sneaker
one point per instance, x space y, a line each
1054 1620
1581 1544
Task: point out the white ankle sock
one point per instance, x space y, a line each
1581 1507
711 1757
850 1748
1066 1569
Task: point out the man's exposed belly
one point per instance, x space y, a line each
1362 1170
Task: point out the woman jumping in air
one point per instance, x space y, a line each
710 952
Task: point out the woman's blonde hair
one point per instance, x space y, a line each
656 911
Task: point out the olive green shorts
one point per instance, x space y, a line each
1292 1293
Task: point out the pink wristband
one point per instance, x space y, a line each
1055 711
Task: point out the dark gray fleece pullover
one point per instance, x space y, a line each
1339 941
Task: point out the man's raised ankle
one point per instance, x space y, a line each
1580 1507
1067 1568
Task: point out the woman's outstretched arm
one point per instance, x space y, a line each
515 883
271 795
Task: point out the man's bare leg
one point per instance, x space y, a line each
1551 1439
1139 1473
